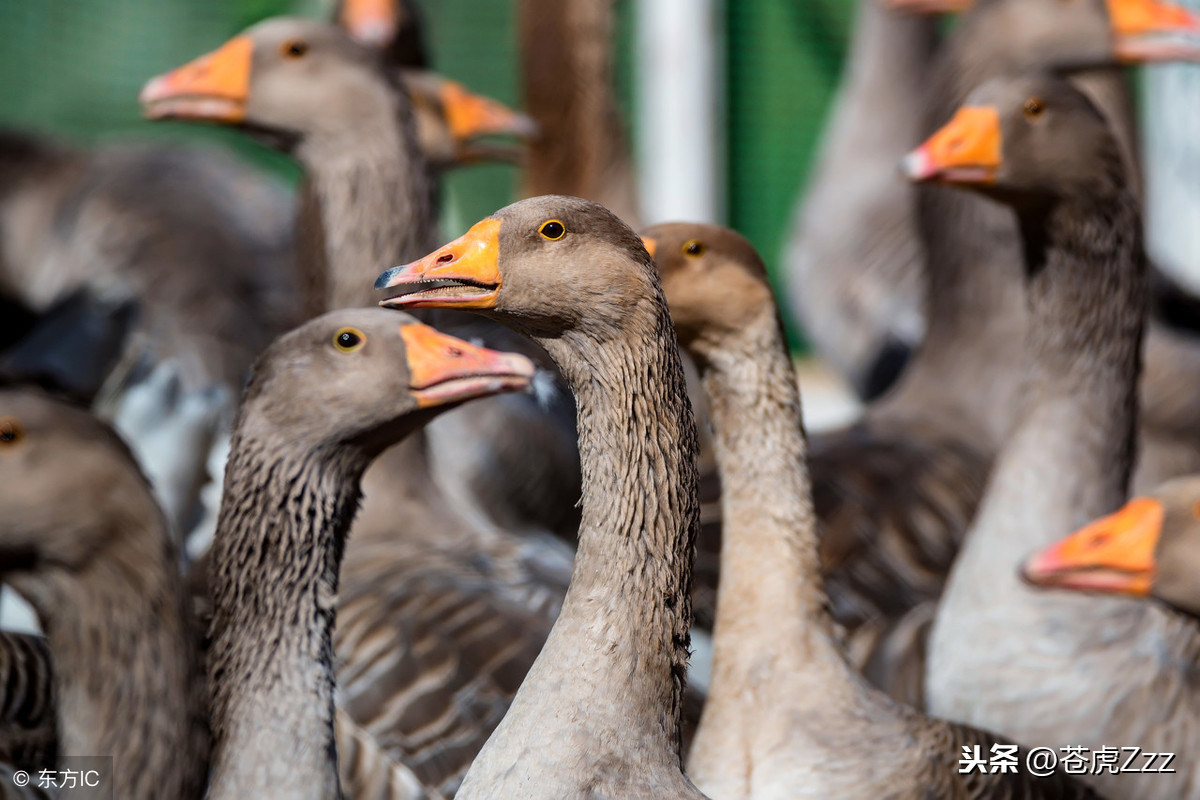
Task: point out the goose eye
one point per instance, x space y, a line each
10 431
347 340
693 248
552 230
1033 107
294 48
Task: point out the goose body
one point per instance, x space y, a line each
787 715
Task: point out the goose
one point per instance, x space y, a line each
975 314
786 714
127 680
301 444
856 289
370 199
1144 549
1032 665
599 712
136 710
923 451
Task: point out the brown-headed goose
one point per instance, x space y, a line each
1146 549
598 714
786 713
853 256
322 402
1034 665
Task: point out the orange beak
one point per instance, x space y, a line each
470 115
965 150
1113 555
1150 30
650 245
372 22
213 87
444 370
928 6
462 274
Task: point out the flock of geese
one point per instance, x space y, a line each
464 544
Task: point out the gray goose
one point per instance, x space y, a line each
1148 548
369 198
853 254
142 713
786 714
301 444
440 620
1033 665
920 457
104 584
599 712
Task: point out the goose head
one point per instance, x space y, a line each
1027 139
545 266
454 125
289 80
714 280
69 487
1149 547
378 376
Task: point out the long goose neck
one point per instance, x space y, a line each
373 194
889 56
629 596
1076 427
770 587
128 675
275 565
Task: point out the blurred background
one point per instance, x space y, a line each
730 107
73 68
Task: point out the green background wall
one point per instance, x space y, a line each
72 68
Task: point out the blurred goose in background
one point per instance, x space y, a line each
394 27
89 550
1148 548
599 712
478 598
857 288
786 713
567 81
921 454
1033 665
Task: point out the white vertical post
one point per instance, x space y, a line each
1171 164
680 91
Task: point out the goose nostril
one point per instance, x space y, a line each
445 258
455 352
